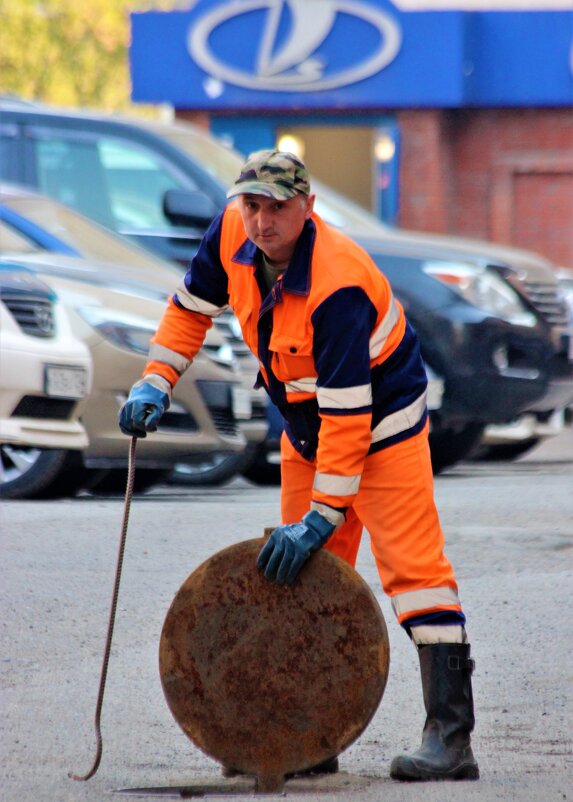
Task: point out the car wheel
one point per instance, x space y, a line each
449 446
27 473
505 451
264 473
113 482
268 475
215 469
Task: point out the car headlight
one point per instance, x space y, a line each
130 332
222 355
483 288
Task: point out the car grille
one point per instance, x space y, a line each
180 421
259 409
34 315
218 399
223 421
546 299
229 327
33 406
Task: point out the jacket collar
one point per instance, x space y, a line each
297 276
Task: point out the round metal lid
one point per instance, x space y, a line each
272 680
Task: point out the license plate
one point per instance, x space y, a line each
242 406
64 381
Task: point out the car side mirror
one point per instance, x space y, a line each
184 207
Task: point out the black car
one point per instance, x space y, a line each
498 344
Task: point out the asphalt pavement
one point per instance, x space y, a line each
509 531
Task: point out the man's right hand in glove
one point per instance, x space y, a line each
290 546
143 409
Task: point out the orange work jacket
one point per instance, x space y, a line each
336 353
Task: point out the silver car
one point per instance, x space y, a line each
45 380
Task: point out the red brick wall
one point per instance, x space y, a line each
499 174
425 171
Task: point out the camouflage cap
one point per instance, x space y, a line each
273 173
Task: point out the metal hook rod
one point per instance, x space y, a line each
105 663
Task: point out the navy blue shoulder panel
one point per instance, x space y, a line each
342 325
206 278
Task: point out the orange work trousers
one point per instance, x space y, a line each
395 503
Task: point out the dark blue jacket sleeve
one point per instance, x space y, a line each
206 277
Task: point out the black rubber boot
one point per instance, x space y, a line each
446 753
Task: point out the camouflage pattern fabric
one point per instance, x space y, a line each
273 173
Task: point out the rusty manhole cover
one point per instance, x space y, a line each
273 680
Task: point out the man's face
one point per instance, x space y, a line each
275 225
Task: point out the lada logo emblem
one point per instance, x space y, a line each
286 57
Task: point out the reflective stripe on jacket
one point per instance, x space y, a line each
336 353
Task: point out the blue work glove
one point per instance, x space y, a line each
143 409
290 546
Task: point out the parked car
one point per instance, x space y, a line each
43 225
114 316
533 427
537 281
45 379
565 281
475 304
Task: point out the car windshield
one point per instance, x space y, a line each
224 165
89 239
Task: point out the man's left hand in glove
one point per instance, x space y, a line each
290 546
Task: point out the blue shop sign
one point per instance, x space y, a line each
340 54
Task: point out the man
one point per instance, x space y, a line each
339 359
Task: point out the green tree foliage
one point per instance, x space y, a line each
69 53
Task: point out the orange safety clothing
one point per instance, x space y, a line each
341 362
336 353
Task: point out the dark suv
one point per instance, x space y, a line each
490 320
